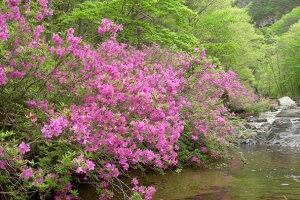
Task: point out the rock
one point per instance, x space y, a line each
295 120
289 113
282 123
246 115
242 3
287 102
267 21
253 119
272 135
295 129
279 131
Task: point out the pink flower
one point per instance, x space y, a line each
23 148
204 149
38 74
43 105
39 170
13 63
195 159
135 181
27 8
2 164
70 32
17 74
60 52
213 153
57 40
43 3
38 30
26 174
202 55
4 32
16 13
80 170
54 128
2 76
39 16
38 180
32 103
90 165
13 2
104 184
195 138
109 26
150 192
49 87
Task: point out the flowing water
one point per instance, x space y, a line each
270 173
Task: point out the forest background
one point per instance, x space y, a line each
91 89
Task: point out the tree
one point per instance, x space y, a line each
290 46
282 26
144 22
228 36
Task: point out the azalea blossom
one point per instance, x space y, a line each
27 173
23 148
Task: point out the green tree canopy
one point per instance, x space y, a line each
144 22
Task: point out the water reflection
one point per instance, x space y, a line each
271 173
193 184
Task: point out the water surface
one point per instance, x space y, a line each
271 173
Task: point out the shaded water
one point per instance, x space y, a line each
271 173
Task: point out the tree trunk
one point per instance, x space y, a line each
81 28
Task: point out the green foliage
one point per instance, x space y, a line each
144 22
259 9
290 62
257 107
136 196
4 135
207 6
283 25
230 40
279 75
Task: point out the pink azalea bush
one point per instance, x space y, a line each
209 131
71 113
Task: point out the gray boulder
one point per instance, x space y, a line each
287 102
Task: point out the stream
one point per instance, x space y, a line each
270 173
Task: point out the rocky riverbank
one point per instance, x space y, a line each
280 127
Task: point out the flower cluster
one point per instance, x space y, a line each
94 113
